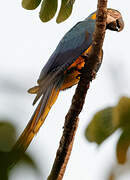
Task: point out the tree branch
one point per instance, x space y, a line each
71 119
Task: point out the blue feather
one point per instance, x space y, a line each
71 46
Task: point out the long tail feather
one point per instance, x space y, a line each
48 99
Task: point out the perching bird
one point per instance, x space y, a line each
64 65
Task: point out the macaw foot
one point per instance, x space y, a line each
80 71
78 76
93 74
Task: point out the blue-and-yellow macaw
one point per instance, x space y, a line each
64 65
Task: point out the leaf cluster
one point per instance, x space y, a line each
107 121
7 140
49 9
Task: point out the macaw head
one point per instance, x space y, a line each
114 20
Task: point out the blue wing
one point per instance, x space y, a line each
72 45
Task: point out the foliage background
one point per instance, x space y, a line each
26 44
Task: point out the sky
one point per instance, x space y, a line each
26 44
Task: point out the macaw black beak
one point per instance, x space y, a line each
120 24
116 25
114 20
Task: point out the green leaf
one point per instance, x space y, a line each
7 140
101 126
65 10
122 112
7 135
48 10
30 4
122 146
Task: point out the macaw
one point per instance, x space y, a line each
64 65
